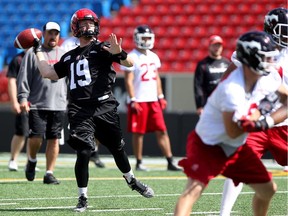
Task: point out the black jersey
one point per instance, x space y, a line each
14 65
90 72
207 75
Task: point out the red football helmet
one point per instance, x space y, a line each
84 14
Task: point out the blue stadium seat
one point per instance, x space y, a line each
23 14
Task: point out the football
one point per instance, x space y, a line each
25 38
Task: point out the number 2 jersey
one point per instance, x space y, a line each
145 75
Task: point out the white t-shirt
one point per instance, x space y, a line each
230 96
145 68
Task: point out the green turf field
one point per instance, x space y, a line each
110 196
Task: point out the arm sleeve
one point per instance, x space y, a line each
198 83
24 77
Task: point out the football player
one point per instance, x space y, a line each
274 139
92 108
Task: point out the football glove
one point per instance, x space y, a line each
163 103
255 126
267 104
135 107
37 45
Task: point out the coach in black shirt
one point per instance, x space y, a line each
209 72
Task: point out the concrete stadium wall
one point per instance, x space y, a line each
178 127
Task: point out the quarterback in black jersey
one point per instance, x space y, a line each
92 108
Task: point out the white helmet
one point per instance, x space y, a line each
141 32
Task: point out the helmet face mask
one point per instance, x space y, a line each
257 51
144 37
79 30
276 24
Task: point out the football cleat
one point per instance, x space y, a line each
141 188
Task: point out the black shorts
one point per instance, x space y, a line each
85 127
46 124
22 124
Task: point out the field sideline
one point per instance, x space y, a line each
109 194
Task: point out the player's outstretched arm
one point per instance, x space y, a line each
116 49
46 70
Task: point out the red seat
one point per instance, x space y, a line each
176 9
173 31
181 19
193 42
202 8
167 20
180 43
165 66
160 52
229 8
185 54
164 43
154 20
216 8
189 9
163 9
124 11
209 19
187 31
149 9
140 20
160 31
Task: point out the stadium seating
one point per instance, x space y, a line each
181 26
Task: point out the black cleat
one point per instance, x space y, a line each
30 170
172 167
98 163
50 179
82 204
141 188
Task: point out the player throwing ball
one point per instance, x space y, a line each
92 109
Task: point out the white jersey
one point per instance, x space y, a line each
230 96
282 60
70 43
145 68
283 63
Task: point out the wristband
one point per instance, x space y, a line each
133 99
122 55
270 121
161 96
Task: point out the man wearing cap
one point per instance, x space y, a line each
209 72
45 101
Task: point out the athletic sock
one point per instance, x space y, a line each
82 191
128 176
229 196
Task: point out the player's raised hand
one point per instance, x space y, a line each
115 45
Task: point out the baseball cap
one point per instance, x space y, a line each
51 26
215 39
